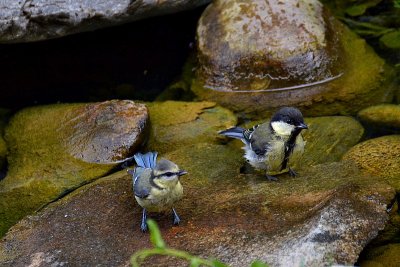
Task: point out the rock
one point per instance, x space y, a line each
3 154
54 149
388 256
255 56
22 21
379 156
385 115
326 216
176 124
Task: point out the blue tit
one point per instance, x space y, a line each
273 145
156 185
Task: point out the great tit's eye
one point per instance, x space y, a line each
289 121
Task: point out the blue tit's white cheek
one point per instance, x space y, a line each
282 128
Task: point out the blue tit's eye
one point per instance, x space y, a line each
169 174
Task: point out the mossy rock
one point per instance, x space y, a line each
326 215
3 153
253 95
385 256
379 156
176 124
42 165
386 115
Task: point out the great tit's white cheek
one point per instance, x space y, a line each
282 128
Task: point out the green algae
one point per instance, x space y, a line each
175 124
40 169
379 156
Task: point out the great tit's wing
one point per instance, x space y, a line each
142 182
234 132
260 138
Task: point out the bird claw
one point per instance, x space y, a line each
271 178
292 173
143 225
176 218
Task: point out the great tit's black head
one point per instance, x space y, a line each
167 170
288 119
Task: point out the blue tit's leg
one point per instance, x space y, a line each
143 225
177 220
292 172
271 178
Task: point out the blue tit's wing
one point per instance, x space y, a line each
142 182
260 138
147 160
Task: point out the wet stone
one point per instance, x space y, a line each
43 165
326 216
255 56
379 156
385 116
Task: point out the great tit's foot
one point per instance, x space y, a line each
143 225
176 218
292 173
271 178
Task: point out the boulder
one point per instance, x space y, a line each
326 216
26 21
55 149
379 156
255 56
381 116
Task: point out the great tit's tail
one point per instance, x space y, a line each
147 160
234 132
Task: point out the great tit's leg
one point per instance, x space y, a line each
143 225
271 178
176 218
292 172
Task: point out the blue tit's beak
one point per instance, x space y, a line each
302 126
182 172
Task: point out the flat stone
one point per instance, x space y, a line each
26 21
255 56
55 149
325 216
385 115
176 124
379 156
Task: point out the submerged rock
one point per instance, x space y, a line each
385 116
325 216
255 56
44 160
380 157
22 21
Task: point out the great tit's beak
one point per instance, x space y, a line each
182 172
302 126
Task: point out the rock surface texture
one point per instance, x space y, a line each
33 20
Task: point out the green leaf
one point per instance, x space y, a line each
396 3
217 263
194 262
391 39
258 263
155 235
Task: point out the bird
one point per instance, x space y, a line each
273 146
156 185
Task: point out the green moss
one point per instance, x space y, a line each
387 115
40 169
176 124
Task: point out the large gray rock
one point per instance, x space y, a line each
33 20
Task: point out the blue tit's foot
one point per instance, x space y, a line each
271 178
292 173
177 220
143 225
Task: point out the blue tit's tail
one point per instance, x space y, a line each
234 132
147 160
